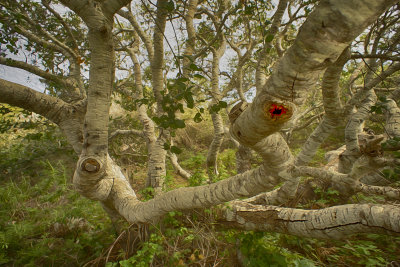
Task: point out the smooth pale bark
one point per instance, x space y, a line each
156 165
191 40
353 128
386 191
122 197
333 113
126 132
242 185
237 77
328 30
363 101
157 64
35 70
143 36
275 153
157 156
156 153
332 119
392 113
213 150
278 196
362 94
219 132
177 167
155 51
330 223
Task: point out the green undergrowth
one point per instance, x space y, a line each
43 221
195 239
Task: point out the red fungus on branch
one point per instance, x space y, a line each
277 111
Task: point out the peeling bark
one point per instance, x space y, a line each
330 223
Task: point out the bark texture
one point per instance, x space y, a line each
330 223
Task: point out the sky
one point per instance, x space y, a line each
21 77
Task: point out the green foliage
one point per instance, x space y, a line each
217 107
379 106
258 252
36 18
180 90
266 249
13 118
196 163
326 197
173 149
362 250
43 221
177 241
48 223
147 193
146 255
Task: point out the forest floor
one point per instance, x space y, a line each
44 222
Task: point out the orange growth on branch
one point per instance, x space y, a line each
277 111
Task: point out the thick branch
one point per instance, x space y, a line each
177 167
241 185
330 223
68 117
387 191
21 96
328 30
332 105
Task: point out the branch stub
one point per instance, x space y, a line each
90 165
236 111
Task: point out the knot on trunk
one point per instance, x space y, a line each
370 144
90 165
90 178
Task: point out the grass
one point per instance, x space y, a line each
44 222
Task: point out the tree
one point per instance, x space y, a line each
86 36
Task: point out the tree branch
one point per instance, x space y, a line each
298 70
143 36
35 70
112 6
21 96
330 223
46 3
126 132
